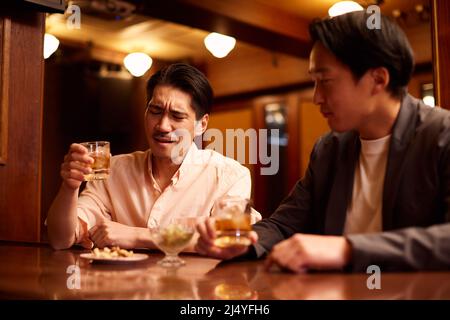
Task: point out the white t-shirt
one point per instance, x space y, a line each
364 215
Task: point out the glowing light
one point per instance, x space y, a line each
219 45
137 63
343 7
51 44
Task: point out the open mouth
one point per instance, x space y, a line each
165 138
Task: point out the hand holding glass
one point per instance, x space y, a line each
233 221
100 151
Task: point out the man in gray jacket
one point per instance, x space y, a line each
377 188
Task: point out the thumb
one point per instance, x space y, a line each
87 243
253 237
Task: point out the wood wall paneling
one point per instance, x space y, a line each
312 125
20 177
441 51
5 38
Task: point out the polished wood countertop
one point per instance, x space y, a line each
38 272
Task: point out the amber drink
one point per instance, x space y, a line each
100 152
233 222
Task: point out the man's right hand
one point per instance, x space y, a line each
205 244
76 164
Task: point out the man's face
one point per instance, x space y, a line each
169 113
344 102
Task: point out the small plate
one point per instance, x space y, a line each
134 258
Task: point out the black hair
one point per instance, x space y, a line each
187 79
361 48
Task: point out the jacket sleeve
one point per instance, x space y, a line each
405 249
293 215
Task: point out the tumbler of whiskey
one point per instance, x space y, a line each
232 221
100 152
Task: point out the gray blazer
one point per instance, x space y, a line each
416 195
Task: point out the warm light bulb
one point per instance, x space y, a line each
137 63
343 7
219 45
51 44
429 100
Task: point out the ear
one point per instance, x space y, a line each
201 125
380 78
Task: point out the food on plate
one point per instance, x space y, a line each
114 252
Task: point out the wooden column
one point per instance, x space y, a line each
21 84
441 51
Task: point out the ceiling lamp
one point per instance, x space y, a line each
51 44
342 7
219 45
429 100
137 63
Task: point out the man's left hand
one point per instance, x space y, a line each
109 233
303 252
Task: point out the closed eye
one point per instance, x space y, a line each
179 115
155 109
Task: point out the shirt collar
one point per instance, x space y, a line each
189 158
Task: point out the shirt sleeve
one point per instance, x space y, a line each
242 187
94 206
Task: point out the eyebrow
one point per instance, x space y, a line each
319 70
171 110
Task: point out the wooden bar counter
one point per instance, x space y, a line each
31 271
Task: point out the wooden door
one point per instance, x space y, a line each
21 64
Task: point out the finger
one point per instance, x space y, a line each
76 147
83 158
202 248
221 253
253 236
276 256
235 251
105 241
285 256
204 235
72 174
96 238
72 164
205 245
87 244
96 233
93 230
75 165
209 250
211 228
271 265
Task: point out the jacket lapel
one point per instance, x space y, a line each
402 135
341 191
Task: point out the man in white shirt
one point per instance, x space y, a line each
171 179
377 188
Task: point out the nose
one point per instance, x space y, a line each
164 124
318 94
